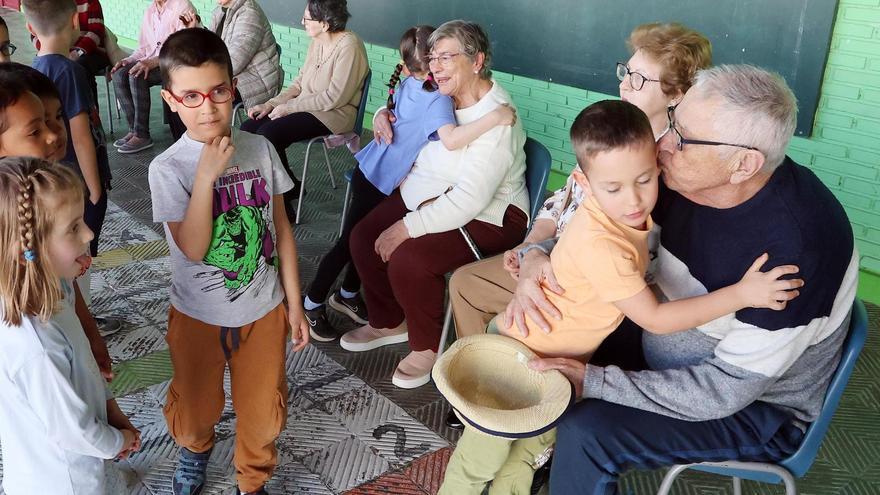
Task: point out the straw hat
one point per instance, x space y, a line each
489 384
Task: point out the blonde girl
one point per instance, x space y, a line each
57 421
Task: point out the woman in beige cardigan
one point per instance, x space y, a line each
324 97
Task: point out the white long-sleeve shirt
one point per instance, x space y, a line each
53 408
478 181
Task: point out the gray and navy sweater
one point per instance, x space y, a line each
785 358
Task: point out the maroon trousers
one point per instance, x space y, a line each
412 284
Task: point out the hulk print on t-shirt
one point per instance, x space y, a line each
242 247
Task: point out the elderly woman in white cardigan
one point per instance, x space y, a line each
405 246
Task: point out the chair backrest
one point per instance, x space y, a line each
799 462
281 68
538 163
362 107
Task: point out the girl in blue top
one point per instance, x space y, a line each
420 114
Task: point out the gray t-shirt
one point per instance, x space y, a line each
237 281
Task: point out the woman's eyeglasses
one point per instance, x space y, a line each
7 49
636 80
194 99
444 59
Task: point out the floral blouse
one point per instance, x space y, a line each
561 206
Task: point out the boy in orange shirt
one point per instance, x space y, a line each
600 261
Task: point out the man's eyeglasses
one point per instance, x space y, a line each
444 59
308 19
681 141
7 49
636 80
194 99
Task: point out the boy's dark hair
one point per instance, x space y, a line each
192 47
3 23
48 17
414 52
333 12
10 93
33 80
607 125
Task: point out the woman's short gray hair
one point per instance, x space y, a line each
757 108
471 37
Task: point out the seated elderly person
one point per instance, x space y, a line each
134 75
323 99
743 387
405 246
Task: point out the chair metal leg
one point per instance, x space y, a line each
447 322
327 160
109 104
790 483
471 244
302 187
344 207
669 479
737 486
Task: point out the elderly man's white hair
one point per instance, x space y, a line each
757 108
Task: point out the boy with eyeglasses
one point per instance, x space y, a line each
6 46
233 263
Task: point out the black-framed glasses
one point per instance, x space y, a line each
681 140
444 59
194 99
7 49
637 80
307 19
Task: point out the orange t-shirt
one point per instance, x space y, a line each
597 261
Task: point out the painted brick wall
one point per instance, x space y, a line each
844 149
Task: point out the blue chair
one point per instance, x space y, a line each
538 163
358 129
797 465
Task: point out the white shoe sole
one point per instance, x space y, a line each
373 344
317 337
338 306
411 382
135 150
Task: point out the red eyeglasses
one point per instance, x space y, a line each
194 99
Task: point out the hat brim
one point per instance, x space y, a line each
517 435
489 384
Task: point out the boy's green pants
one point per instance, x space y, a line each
509 465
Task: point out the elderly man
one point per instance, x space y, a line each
744 386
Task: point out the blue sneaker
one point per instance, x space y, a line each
189 477
261 491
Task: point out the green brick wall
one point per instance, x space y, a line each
844 149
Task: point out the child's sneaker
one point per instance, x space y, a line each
353 307
319 328
189 477
261 491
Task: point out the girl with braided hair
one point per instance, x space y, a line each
56 421
420 114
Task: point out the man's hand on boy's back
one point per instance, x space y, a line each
215 158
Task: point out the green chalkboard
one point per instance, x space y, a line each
578 42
